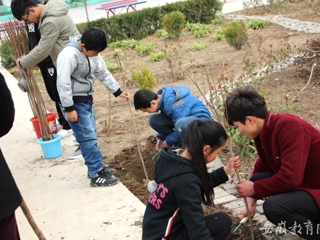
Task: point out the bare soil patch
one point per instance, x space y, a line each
115 128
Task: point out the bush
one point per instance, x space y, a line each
258 23
144 78
198 29
236 34
217 21
173 23
218 35
7 54
163 33
197 46
157 56
143 49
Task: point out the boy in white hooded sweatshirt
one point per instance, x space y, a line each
78 65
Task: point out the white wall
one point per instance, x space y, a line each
6 2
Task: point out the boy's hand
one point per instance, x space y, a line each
245 188
159 144
125 95
72 116
18 60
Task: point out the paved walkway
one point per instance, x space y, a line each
288 23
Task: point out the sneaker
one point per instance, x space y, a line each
103 181
59 127
76 154
74 142
107 171
64 132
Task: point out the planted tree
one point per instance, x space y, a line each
236 34
173 23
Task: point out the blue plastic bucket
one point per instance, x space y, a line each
52 148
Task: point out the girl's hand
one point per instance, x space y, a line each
232 164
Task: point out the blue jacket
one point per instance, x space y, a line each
177 102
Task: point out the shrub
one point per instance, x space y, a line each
144 78
173 23
112 67
163 33
217 21
118 52
198 29
157 56
258 23
218 35
143 49
7 54
197 46
236 34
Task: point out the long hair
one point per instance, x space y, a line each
199 134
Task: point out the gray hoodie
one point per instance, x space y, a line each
77 72
55 26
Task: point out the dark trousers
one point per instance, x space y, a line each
296 211
9 229
49 74
219 224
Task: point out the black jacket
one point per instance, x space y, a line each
10 197
177 200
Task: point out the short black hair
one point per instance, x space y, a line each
143 97
21 7
242 102
94 39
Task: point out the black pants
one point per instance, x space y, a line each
296 211
219 224
49 74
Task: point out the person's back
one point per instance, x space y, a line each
180 98
177 106
10 197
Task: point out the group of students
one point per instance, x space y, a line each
285 174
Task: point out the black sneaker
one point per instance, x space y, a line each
107 171
103 181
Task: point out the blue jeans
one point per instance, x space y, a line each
84 131
164 126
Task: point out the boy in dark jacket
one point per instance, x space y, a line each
286 172
177 106
10 197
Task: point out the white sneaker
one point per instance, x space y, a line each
74 142
76 154
65 133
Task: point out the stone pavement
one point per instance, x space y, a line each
288 23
